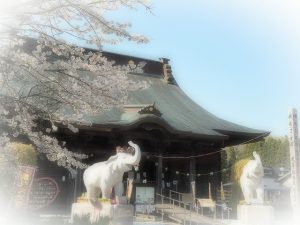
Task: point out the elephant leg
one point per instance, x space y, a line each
106 191
260 194
93 193
248 195
119 189
106 194
92 196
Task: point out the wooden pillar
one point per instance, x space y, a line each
159 165
79 144
193 175
78 184
77 180
159 148
192 180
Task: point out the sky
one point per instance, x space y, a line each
237 59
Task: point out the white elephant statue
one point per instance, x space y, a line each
251 181
102 177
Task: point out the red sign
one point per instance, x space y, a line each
44 192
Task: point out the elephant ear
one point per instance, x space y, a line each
111 159
112 162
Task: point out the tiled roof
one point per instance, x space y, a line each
171 108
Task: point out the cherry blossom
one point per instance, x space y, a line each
54 81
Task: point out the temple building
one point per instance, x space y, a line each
180 141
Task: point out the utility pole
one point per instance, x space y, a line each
295 162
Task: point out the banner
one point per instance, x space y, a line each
22 186
193 191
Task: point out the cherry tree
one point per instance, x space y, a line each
44 78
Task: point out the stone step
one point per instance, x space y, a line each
185 216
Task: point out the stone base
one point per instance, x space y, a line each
118 214
123 215
255 214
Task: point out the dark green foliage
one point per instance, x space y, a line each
237 169
228 158
274 152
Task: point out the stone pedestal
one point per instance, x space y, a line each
255 214
123 215
118 214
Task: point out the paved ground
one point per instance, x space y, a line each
187 217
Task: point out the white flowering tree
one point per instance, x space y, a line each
43 78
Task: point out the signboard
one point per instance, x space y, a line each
144 195
44 192
294 159
22 186
144 199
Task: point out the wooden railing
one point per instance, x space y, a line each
217 209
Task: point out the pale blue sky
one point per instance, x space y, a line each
237 59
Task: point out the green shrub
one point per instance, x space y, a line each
24 154
236 172
237 169
11 156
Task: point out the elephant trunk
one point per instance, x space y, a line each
135 159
